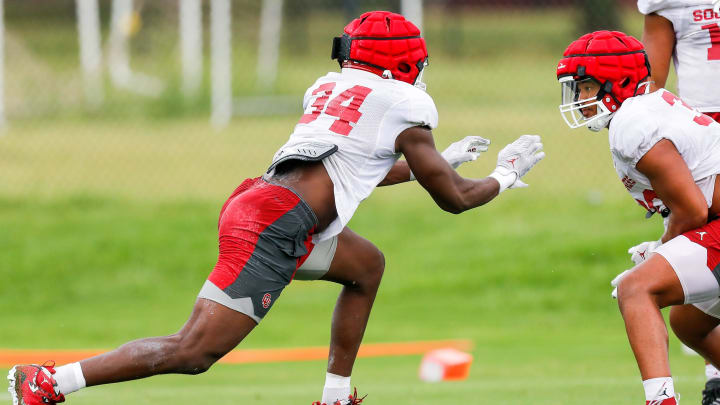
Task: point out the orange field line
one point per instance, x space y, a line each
10 357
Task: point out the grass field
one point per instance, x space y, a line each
108 229
528 288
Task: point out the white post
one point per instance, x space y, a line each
2 65
220 62
122 76
118 58
191 46
413 11
269 44
88 23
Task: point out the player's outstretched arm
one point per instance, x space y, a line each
464 150
659 39
454 193
673 183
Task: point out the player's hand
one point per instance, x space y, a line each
643 251
516 159
616 281
465 150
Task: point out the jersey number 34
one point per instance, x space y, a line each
337 107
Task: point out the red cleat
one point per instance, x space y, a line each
32 384
352 400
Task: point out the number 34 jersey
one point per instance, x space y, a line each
362 114
643 121
697 48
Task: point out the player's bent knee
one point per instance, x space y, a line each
634 288
375 268
196 361
193 356
631 288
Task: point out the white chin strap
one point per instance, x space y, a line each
572 114
418 80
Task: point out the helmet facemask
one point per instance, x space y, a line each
571 106
614 60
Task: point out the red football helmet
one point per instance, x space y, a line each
381 42
616 61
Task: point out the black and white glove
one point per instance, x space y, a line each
515 160
464 150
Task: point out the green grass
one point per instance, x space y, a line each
526 282
108 225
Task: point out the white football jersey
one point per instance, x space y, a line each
644 120
651 6
697 50
362 114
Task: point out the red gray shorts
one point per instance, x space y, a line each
265 234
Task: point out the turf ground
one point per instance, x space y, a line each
108 231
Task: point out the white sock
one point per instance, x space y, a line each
337 388
711 372
69 378
659 388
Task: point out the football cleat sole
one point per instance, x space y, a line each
13 392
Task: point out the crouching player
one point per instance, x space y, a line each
291 222
667 155
686 32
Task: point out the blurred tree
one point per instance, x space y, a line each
452 33
598 15
350 9
295 30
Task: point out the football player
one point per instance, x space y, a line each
667 156
688 32
292 221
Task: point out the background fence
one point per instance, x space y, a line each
131 98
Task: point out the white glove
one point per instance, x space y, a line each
616 281
464 150
515 160
643 251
